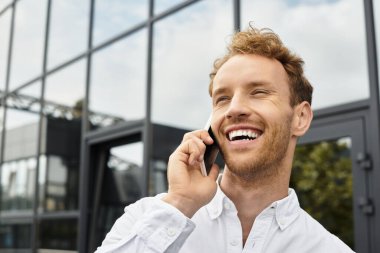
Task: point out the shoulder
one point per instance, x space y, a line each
318 236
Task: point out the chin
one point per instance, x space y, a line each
253 170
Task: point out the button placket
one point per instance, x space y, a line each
233 231
234 242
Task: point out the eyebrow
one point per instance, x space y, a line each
250 84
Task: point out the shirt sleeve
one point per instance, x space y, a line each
150 226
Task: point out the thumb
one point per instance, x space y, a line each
214 172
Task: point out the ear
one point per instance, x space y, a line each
302 118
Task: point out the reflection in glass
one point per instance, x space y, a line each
121 185
28 42
58 182
4 3
15 236
60 140
117 91
5 23
20 149
114 17
68 30
322 178
64 92
335 57
163 5
158 177
18 184
27 98
55 235
183 58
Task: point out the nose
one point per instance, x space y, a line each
238 108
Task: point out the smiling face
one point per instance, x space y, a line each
252 116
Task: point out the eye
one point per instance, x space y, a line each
259 92
221 99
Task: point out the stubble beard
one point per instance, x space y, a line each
266 163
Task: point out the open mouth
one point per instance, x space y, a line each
243 134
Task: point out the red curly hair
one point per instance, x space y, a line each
265 42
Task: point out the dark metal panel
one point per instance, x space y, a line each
113 132
236 15
147 133
373 128
58 215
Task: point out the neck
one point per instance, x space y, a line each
251 198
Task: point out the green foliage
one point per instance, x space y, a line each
322 178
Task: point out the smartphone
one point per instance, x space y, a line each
211 151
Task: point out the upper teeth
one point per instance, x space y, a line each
248 133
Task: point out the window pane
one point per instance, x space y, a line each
118 76
28 42
4 45
21 138
183 58
68 30
60 149
4 3
322 178
163 5
21 124
58 235
335 56
65 91
114 17
18 184
15 236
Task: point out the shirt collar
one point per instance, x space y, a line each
215 207
286 209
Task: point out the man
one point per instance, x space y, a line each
261 105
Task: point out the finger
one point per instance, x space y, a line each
195 149
199 134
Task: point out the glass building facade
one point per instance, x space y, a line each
96 94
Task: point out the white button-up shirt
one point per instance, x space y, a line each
151 225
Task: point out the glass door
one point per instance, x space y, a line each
115 179
330 179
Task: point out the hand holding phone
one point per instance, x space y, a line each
211 151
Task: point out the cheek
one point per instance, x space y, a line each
216 123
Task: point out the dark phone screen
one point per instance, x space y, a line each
211 152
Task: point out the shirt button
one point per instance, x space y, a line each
234 243
227 206
171 232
